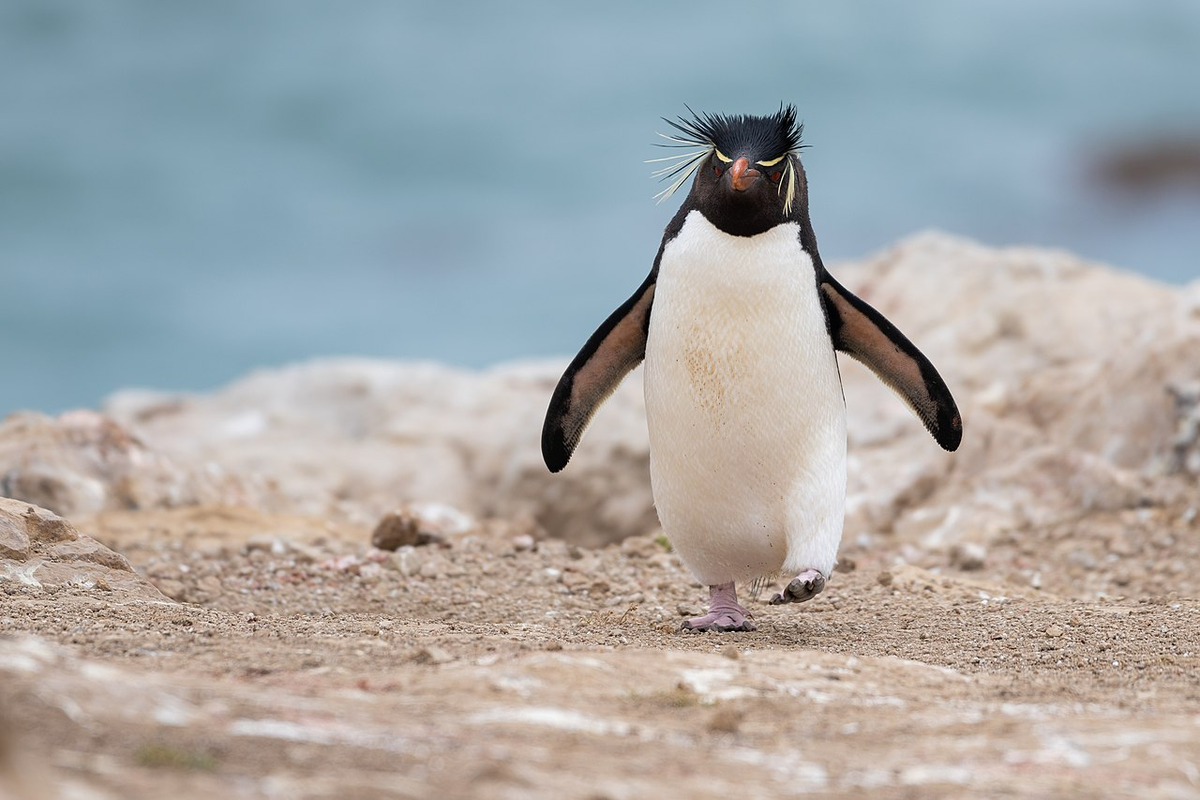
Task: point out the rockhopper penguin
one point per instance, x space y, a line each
738 323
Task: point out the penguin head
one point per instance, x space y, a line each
748 173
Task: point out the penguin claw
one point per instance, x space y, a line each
723 623
805 586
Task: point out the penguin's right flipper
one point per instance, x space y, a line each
613 350
863 333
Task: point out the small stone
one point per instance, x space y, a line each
397 529
419 525
884 578
731 652
553 644
523 543
689 610
303 553
260 542
431 654
407 561
968 556
1054 631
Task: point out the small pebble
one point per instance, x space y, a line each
404 526
431 655
968 556
1054 631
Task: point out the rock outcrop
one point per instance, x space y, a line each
40 550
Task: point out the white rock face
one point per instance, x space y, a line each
357 438
1069 376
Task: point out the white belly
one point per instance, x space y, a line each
744 404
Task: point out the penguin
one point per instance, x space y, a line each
738 324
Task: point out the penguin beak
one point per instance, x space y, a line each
741 177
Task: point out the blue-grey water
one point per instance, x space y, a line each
192 190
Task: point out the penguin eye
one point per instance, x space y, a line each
776 175
721 156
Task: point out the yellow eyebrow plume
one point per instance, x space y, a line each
772 162
722 156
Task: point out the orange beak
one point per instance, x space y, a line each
741 176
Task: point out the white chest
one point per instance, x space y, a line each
737 325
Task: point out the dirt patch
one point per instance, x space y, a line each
298 661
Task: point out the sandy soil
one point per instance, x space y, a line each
295 660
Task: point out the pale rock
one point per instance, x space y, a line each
38 548
356 438
82 462
14 542
408 561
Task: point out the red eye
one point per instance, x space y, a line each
776 175
717 171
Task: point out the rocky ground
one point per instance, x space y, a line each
195 605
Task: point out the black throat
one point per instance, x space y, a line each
738 218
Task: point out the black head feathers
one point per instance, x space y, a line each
765 137
772 138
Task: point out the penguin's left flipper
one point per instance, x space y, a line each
866 335
613 350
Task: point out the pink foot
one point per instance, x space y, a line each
805 586
724 612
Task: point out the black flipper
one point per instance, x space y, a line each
864 334
613 350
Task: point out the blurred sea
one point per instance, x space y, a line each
192 190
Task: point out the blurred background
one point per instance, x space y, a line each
190 191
